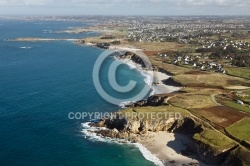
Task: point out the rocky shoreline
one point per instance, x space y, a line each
136 130
140 131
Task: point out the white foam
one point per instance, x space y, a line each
148 155
131 64
148 75
91 135
47 31
71 39
25 47
123 104
149 78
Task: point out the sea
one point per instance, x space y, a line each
41 83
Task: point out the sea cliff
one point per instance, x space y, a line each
140 130
189 139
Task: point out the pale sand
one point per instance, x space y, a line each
84 30
237 87
124 48
160 87
156 77
167 147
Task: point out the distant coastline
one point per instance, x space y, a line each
198 93
182 77
150 144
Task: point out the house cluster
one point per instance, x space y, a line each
178 31
208 65
225 44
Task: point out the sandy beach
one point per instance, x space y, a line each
156 78
168 146
160 87
124 48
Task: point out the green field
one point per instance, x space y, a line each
237 106
217 140
152 112
246 99
247 92
240 129
238 72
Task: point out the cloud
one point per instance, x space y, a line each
214 3
229 3
23 2
179 3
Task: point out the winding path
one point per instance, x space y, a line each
214 100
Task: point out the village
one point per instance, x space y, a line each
208 42
206 57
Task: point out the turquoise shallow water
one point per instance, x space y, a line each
39 85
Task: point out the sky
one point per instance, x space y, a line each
124 7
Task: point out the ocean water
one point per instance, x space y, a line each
40 84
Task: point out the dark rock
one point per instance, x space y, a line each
186 126
140 103
171 82
156 100
116 121
208 155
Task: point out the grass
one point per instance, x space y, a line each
215 139
176 70
247 97
191 101
247 92
158 46
164 112
240 129
237 106
210 80
99 40
220 115
205 80
187 66
238 72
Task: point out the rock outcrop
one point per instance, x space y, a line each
208 155
186 126
171 82
123 128
155 100
142 61
118 126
